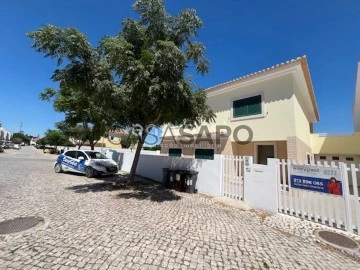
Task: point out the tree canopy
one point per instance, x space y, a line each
55 137
85 93
76 133
150 58
128 141
20 137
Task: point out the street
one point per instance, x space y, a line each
92 224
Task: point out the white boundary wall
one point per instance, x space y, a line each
151 164
260 185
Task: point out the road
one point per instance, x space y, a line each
92 224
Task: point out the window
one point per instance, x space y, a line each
95 155
349 159
71 154
81 154
335 158
322 157
204 153
247 106
174 152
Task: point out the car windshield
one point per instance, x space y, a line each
96 155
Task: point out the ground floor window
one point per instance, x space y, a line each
175 152
204 154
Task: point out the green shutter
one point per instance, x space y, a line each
247 106
174 152
240 108
204 154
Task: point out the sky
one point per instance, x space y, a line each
240 36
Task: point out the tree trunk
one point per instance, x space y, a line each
92 146
136 160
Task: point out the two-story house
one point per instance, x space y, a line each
270 113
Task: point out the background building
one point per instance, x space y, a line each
5 135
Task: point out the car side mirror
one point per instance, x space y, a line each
81 158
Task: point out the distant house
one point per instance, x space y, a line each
276 105
34 140
112 140
5 135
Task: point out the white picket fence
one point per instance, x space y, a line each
232 185
342 212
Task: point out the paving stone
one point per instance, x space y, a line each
89 224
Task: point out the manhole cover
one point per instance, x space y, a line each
337 240
18 224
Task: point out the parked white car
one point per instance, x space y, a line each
90 163
16 146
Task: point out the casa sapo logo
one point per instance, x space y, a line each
242 134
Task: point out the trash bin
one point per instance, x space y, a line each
191 178
166 178
180 176
172 175
177 178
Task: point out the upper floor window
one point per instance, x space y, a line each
247 106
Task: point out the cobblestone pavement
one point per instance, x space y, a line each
92 224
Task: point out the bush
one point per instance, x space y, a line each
153 148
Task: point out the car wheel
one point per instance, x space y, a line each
89 172
58 168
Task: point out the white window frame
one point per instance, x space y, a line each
262 115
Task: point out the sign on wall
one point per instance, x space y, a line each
314 178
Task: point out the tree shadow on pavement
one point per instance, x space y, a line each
149 191
108 183
142 189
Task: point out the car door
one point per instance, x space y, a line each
69 161
82 160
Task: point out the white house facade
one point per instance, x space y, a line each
277 104
5 135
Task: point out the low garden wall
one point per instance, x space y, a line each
151 164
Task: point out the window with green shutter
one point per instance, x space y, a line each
204 153
174 152
247 106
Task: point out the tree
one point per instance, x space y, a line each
16 140
2 135
150 57
55 137
128 141
19 136
41 141
85 93
152 148
76 133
